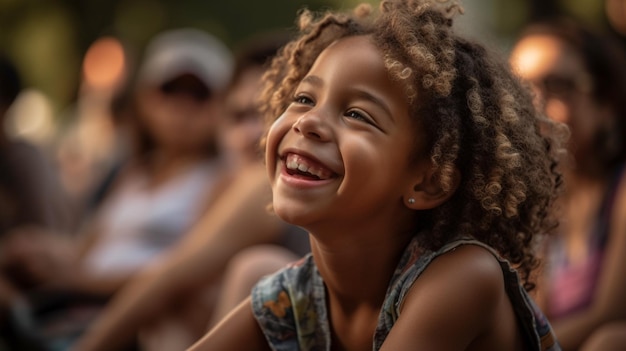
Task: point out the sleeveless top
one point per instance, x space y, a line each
290 306
573 285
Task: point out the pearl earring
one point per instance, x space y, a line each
411 200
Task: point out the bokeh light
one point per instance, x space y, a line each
104 63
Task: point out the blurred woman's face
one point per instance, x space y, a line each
562 86
241 126
181 115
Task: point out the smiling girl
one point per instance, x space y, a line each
422 172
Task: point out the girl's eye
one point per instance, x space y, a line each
358 116
302 99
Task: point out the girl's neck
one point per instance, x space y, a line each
357 267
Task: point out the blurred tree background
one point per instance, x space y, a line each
48 39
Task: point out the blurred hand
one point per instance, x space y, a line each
42 257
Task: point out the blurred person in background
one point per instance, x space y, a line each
30 192
163 186
91 142
236 242
580 79
31 198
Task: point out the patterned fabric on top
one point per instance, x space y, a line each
290 306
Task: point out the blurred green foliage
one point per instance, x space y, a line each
48 38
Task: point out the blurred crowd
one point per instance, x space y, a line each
145 219
144 161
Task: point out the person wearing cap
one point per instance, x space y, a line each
169 179
235 243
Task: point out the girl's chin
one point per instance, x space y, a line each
292 214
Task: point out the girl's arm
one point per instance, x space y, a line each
237 220
609 303
459 297
237 330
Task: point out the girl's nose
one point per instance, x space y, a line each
311 125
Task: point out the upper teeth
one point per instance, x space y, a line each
295 162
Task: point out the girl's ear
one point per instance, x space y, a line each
426 192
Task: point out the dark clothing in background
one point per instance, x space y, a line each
30 193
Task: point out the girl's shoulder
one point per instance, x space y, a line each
465 272
465 289
461 259
469 276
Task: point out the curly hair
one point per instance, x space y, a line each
479 119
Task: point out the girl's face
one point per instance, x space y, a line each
339 154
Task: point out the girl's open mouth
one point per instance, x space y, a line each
300 166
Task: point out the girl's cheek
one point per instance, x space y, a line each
279 128
274 135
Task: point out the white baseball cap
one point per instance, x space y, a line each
187 51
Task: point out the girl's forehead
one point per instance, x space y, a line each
353 69
357 48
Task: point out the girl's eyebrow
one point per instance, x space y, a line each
313 80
